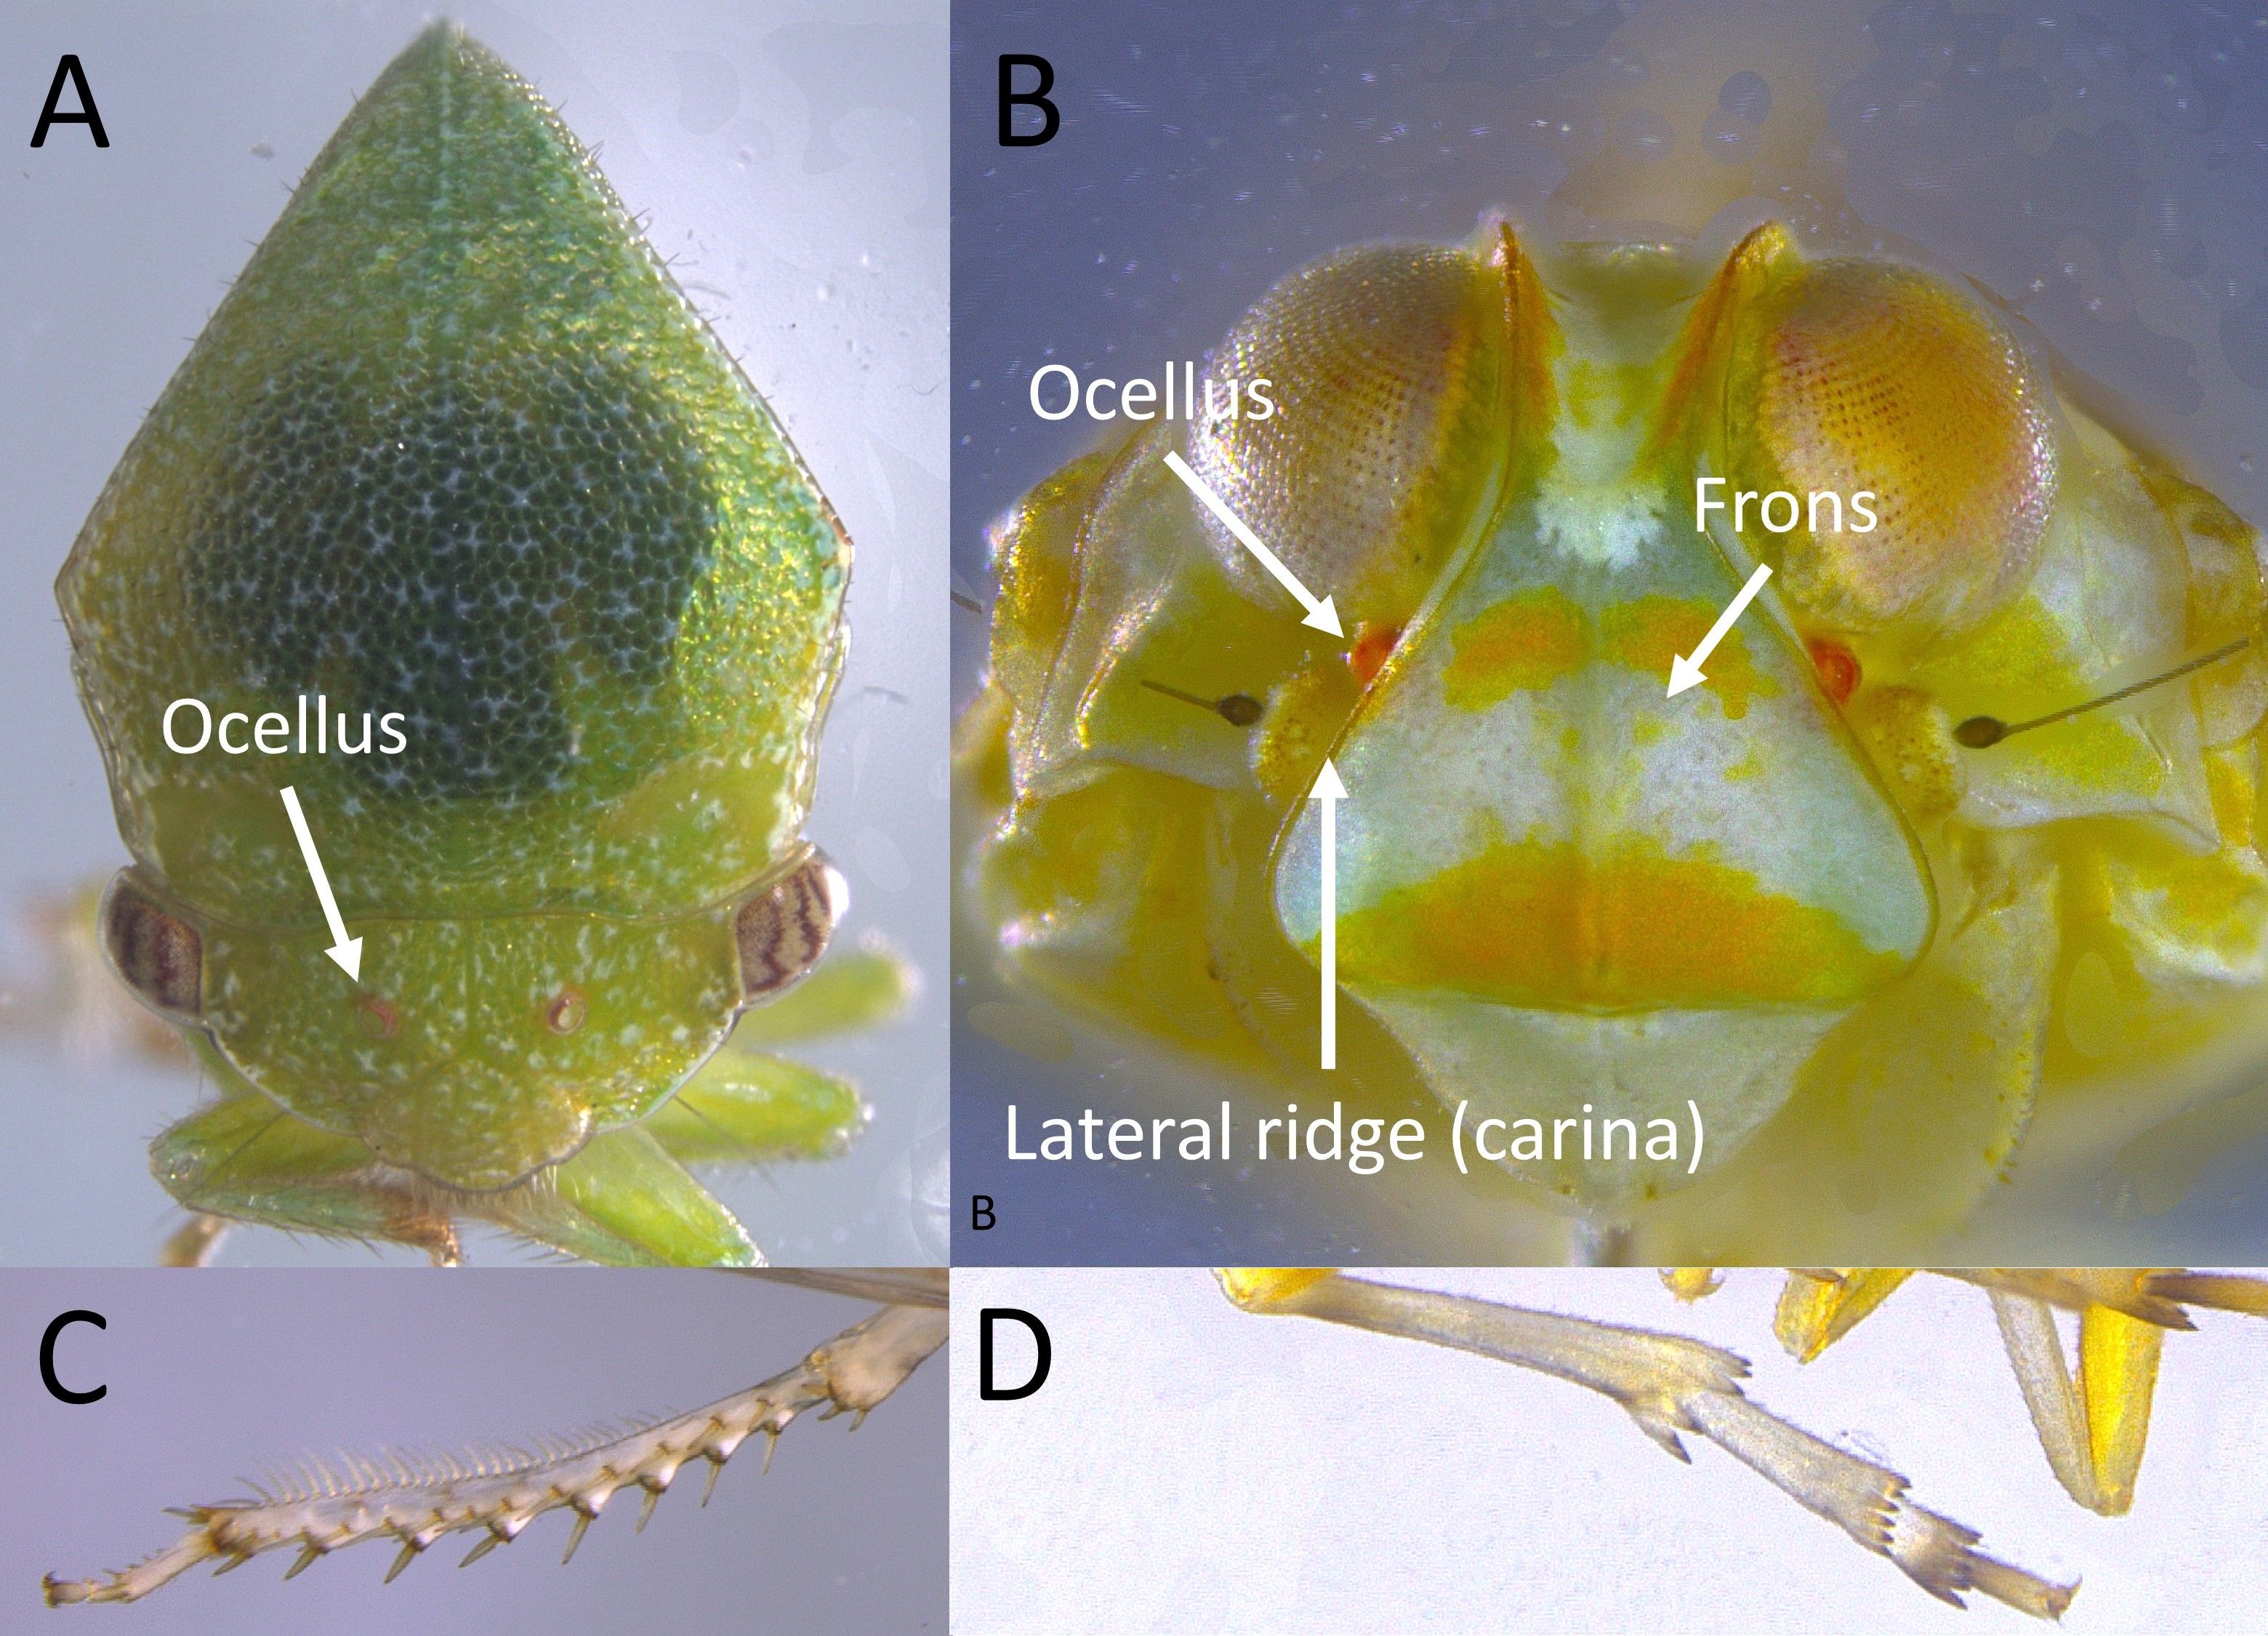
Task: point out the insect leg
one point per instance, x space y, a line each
1671 1385
195 1242
2035 1353
2117 1374
1817 1310
248 1160
622 1201
416 1503
743 1108
2093 1425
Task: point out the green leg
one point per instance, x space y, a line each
744 1109
622 1201
246 1159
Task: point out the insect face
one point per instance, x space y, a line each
1787 902
457 1067
1583 912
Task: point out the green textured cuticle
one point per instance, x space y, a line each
455 451
318 560
456 448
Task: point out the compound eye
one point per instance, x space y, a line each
1854 376
1392 372
782 933
158 954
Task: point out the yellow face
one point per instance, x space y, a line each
1788 904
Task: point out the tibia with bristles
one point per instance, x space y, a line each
1671 1385
416 1503
2074 1289
2227 1291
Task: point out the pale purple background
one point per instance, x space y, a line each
218 1375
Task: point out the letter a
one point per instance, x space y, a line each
68 67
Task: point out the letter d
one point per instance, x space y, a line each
985 1319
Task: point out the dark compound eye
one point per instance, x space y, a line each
783 933
159 953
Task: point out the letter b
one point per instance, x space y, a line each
1050 120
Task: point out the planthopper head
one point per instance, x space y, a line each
472 1052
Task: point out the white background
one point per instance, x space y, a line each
1192 1467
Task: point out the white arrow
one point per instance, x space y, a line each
344 949
1320 615
1331 791
1686 672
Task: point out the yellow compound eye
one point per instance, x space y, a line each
1851 377
1399 376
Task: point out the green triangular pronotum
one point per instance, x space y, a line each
455 448
460 522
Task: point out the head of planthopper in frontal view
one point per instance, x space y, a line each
460 522
1787 904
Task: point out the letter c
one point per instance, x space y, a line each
1480 1145
62 1393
